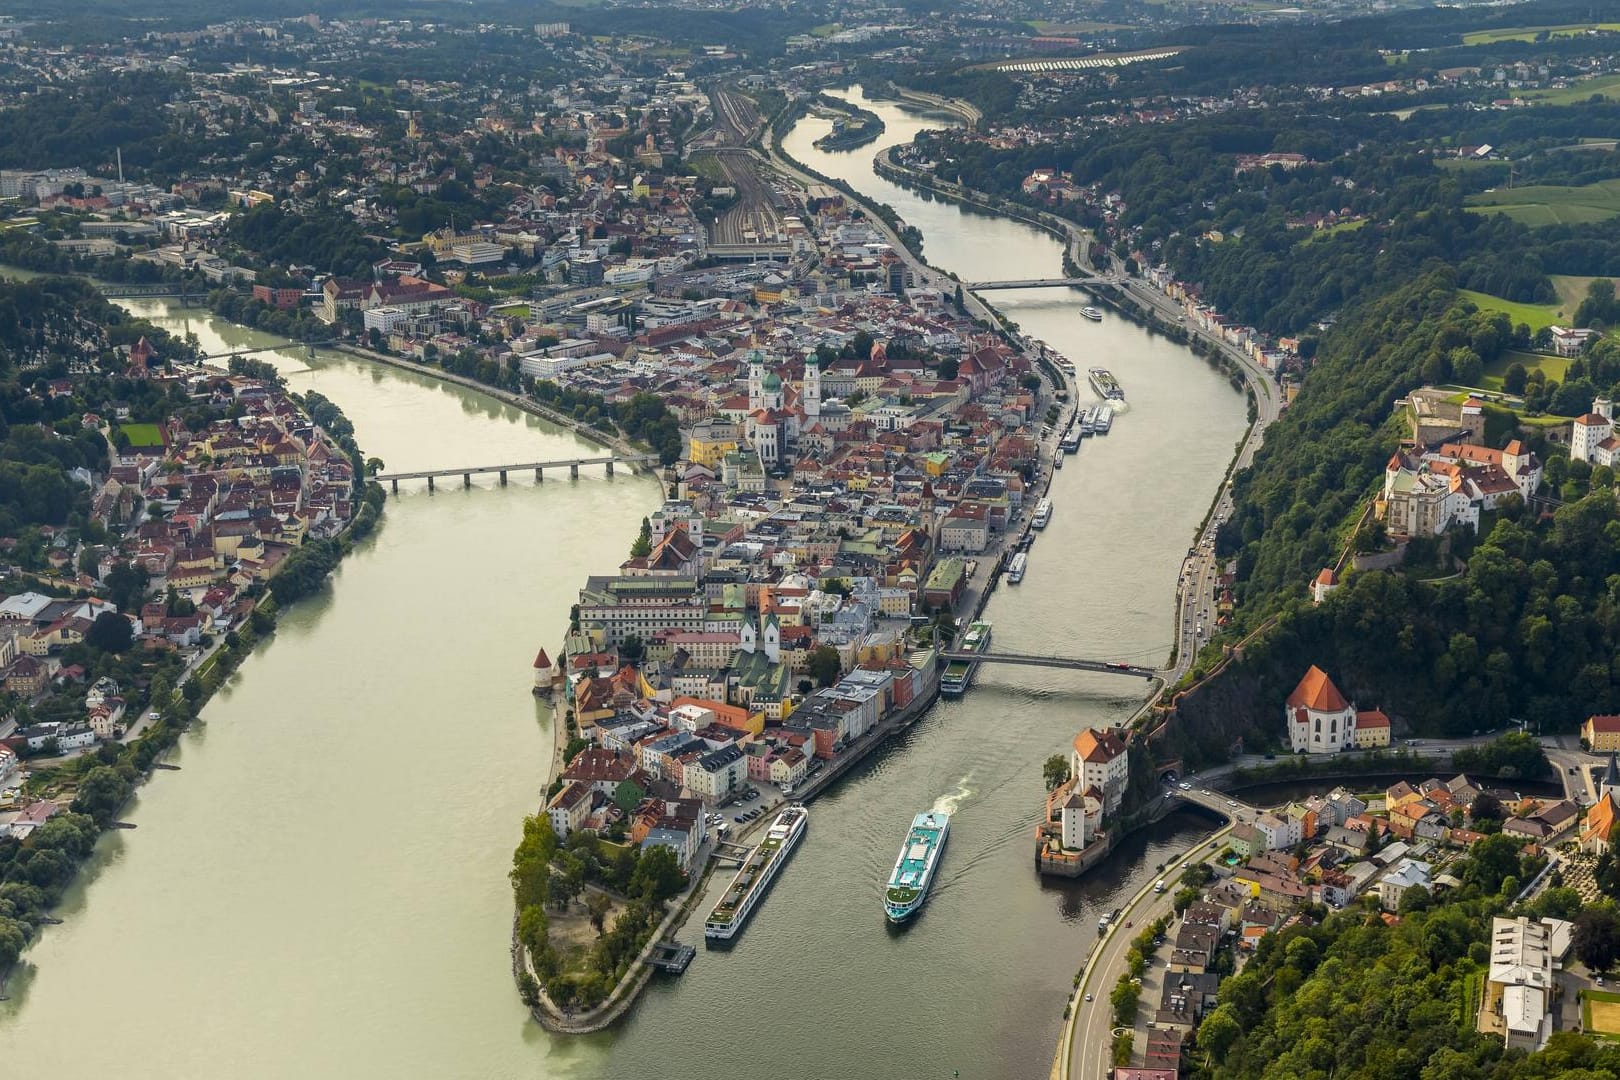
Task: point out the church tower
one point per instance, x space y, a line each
756 381
811 397
748 637
1610 784
773 639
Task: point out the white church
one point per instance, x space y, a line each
775 422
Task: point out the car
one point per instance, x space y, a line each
1229 802
1088 997
737 819
1204 792
1127 924
1184 786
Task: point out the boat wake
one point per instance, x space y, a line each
948 804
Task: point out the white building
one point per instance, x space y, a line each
1100 760
1591 436
1280 832
1520 985
1406 874
1317 717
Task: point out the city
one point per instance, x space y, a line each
712 447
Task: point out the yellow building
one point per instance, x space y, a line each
1372 729
711 442
1601 733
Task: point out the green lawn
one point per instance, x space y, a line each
1550 204
142 434
1608 1006
1554 367
1537 315
1529 33
1607 86
1342 226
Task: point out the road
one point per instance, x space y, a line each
1086 1049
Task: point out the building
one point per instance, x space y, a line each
1520 987
1404 875
1601 733
1591 435
1372 729
1317 717
717 775
1100 761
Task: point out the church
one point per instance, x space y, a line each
775 420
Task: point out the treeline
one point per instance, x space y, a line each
299 323
644 418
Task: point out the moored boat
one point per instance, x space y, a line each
756 874
959 673
1043 514
1016 567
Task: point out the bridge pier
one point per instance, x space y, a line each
573 471
503 478
539 476
430 483
466 479
396 486
610 467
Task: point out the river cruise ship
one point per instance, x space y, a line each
1016 567
756 874
914 869
959 673
1043 514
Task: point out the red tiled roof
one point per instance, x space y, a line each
1317 693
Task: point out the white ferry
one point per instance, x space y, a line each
1015 568
1043 514
1094 314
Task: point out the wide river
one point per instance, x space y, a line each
321 891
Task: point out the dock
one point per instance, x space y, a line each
671 957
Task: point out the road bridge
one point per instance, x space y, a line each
1093 280
467 472
118 291
309 348
1071 664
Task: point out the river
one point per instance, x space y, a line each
321 892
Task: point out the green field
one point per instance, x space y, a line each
142 434
1600 1012
1549 204
1338 227
1607 86
1529 33
1554 367
1537 315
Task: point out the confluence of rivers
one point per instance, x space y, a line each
322 891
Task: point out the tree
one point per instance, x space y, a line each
657 876
1055 771
632 649
643 545
1219 1031
374 465
1486 807
1415 898
598 905
824 665
1491 862
111 633
948 369
1596 939
102 793
1515 378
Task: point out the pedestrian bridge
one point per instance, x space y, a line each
1042 283
467 472
1104 666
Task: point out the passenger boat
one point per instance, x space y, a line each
1103 420
914 869
1094 314
959 673
756 874
1043 514
1103 381
1015 568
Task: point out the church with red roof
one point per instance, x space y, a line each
1318 718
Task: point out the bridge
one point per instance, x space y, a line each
116 291
1094 280
1026 660
467 472
309 348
